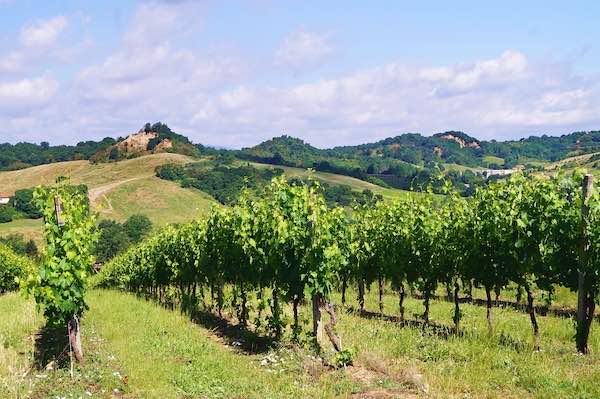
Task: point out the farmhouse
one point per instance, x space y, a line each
4 198
486 173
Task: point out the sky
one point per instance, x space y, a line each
235 73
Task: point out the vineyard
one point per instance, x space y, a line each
286 246
456 281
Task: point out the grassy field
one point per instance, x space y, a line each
161 200
94 175
146 351
141 350
334 179
578 161
30 228
490 159
117 190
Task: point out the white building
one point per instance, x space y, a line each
4 198
494 172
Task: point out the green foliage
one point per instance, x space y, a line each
6 213
221 182
137 227
115 237
225 183
171 171
112 240
286 239
344 358
60 283
23 202
524 230
21 246
12 268
22 155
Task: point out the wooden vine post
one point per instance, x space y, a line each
319 302
73 328
585 296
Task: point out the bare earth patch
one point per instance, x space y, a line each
381 393
373 371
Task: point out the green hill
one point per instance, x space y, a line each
117 190
150 139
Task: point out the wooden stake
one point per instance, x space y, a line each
58 211
75 338
583 317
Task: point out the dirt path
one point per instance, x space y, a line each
99 191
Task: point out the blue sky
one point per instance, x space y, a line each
235 73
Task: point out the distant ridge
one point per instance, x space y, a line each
402 153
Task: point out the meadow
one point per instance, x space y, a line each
138 348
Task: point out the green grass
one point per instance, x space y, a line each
456 167
490 159
161 200
25 345
577 161
145 351
117 191
160 353
30 228
335 179
502 365
167 356
18 321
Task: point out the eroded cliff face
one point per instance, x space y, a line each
461 142
136 143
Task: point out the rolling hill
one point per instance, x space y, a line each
117 190
450 147
387 167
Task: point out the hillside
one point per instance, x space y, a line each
152 138
117 190
410 161
589 161
412 148
335 179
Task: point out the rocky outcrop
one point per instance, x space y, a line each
136 143
461 142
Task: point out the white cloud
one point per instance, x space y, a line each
21 96
43 33
37 41
156 72
301 49
12 62
148 71
493 98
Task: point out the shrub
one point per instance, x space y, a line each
12 267
6 213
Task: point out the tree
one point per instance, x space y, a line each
137 227
6 213
114 154
23 201
113 239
